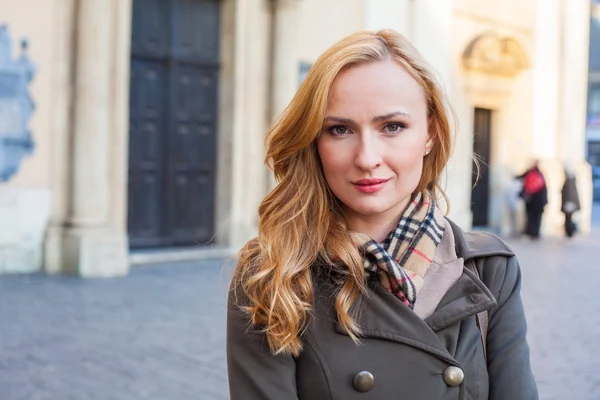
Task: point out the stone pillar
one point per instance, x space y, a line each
284 62
431 33
546 79
62 100
119 146
91 128
95 243
559 93
243 116
285 67
547 116
573 101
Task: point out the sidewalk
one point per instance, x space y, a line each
560 295
157 334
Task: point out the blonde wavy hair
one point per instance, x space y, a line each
301 224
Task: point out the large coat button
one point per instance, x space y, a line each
453 376
364 381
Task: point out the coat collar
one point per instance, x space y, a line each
467 297
442 274
382 315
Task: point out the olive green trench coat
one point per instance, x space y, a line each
402 355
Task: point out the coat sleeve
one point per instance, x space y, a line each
510 375
254 373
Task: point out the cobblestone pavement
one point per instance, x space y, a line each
561 297
159 333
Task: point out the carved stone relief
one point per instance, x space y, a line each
16 106
492 54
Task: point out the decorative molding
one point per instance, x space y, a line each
490 53
16 106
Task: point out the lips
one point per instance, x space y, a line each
370 185
370 181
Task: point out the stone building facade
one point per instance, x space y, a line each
152 114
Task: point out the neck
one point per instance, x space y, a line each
375 226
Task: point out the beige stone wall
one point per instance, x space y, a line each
392 14
508 14
26 200
322 23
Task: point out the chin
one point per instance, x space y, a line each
369 209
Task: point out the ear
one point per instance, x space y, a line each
431 136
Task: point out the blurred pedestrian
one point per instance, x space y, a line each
514 207
357 286
535 195
570 202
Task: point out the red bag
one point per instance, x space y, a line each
534 182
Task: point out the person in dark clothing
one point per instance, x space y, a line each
535 195
570 203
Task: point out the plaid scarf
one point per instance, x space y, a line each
405 255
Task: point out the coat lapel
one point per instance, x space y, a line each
383 316
467 297
456 293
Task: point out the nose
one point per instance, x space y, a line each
368 153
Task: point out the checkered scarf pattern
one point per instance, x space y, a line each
405 255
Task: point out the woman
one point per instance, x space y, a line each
356 286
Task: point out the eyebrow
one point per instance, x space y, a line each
379 118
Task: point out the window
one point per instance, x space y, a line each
593 106
594 152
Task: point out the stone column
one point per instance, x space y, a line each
119 148
283 62
59 159
285 67
546 66
546 78
243 116
573 101
431 33
91 128
559 93
94 245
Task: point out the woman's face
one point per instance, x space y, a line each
373 140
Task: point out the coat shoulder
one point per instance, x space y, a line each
487 244
496 262
479 244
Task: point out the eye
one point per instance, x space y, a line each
338 130
395 127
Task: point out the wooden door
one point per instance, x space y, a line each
173 111
480 196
